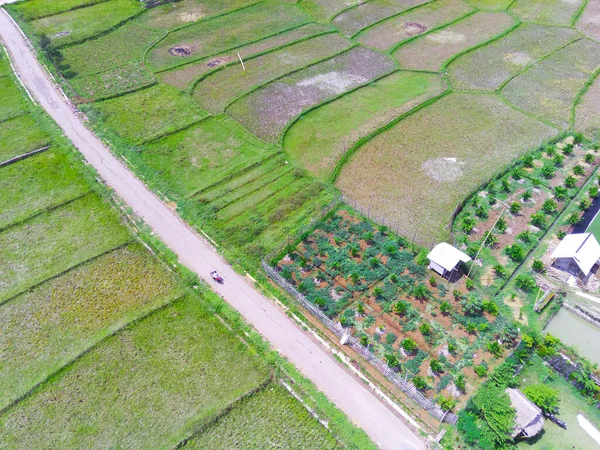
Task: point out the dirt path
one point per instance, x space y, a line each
351 395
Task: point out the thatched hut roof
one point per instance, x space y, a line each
529 420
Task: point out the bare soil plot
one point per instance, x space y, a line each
320 138
267 111
220 89
391 32
589 22
429 52
21 135
549 88
486 68
325 10
551 12
587 111
183 77
352 21
52 324
82 23
35 9
214 36
416 173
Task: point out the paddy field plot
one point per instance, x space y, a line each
218 90
487 67
270 416
417 172
37 183
13 103
549 88
491 5
548 12
267 111
35 9
21 135
145 387
589 21
325 10
149 113
353 20
587 111
214 36
429 52
51 243
183 77
82 23
49 326
391 32
319 138
4 64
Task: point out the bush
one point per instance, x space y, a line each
364 340
548 171
561 234
445 307
517 173
421 292
401 307
425 329
481 370
481 212
561 192
525 282
589 158
470 284
391 359
446 403
500 270
528 161
568 149
390 338
436 366
574 218
490 239
473 305
515 208
526 236
501 225
593 191
585 203
545 397
409 345
467 225
578 170
538 266
527 195
420 383
538 219
558 160
495 349
460 383
490 307
505 185
570 181
550 206
515 252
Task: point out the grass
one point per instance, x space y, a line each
218 90
421 168
493 5
325 10
222 33
51 243
4 64
49 326
320 137
166 374
429 52
587 112
549 12
488 67
268 420
83 23
549 89
37 183
267 111
21 135
148 114
13 103
391 32
35 9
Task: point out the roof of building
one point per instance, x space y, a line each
447 256
583 248
529 420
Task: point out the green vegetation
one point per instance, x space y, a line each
20 135
551 12
35 9
13 104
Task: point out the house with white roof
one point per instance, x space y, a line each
529 419
446 259
577 254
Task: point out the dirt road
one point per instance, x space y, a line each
352 396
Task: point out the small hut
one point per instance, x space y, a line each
446 260
577 254
529 420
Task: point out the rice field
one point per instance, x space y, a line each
37 183
487 68
429 52
491 5
589 22
218 90
325 10
549 12
13 103
419 170
549 89
214 36
36 9
587 111
389 33
172 370
82 23
268 419
149 113
49 326
318 139
4 64
20 135
267 111
51 243
354 20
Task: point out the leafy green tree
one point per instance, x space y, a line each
364 340
585 203
420 383
447 403
360 308
526 236
505 184
409 345
593 191
421 292
436 366
542 395
425 329
391 359
481 212
570 181
558 160
501 225
490 307
481 370
517 173
578 170
445 307
515 208
538 219
548 171
568 149
460 383
561 192
515 252
491 240
493 406
528 161
589 158
525 282
401 307
500 270
527 195
550 150
573 218
495 349
538 266
471 327
467 225
473 305
549 206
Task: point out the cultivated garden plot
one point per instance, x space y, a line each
488 67
36 9
214 36
51 243
218 90
13 104
371 282
547 12
184 76
325 10
19 136
82 23
49 326
267 111
549 89
589 21
353 20
392 32
431 160
320 138
429 52
587 111
164 374
147 114
271 416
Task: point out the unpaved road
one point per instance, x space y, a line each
351 395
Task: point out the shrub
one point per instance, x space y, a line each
589 158
436 366
490 307
481 212
473 305
538 266
471 327
460 383
501 225
525 282
593 191
409 345
470 284
573 218
467 225
378 292
568 149
515 208
548 171
425 329
360 308
500 270
545 397
445 307
561 192
390 338
549 206
432 281
481 370
421 292
446 402
401 307
505 185
570 181
528 161
364 340
391 359
538 219
578 170
526 236
558 160
420 383
550 151
517 173
490 239
585 203
527 195
515 252
495 349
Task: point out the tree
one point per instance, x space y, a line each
545 397
548 171
420 383
425 329
481 212
578 170
585 203
364 340
490 239
401 307
467 225
589 158
570 181
495 349
501 225
527 195
421 292
436 366
460 383
391 359
526 237
593 191
525 282
560 192
528 161
446 402
473 305
515 208
492 405
558 160
500 270
538 219
409 345
360 308
481 370
573 218
568 149
515 252
445 307
505 184
491 308
549 206
538 266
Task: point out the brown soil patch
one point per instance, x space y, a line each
414 28
516 305
181 50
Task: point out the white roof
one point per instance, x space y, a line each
583 248
447 256
529 420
